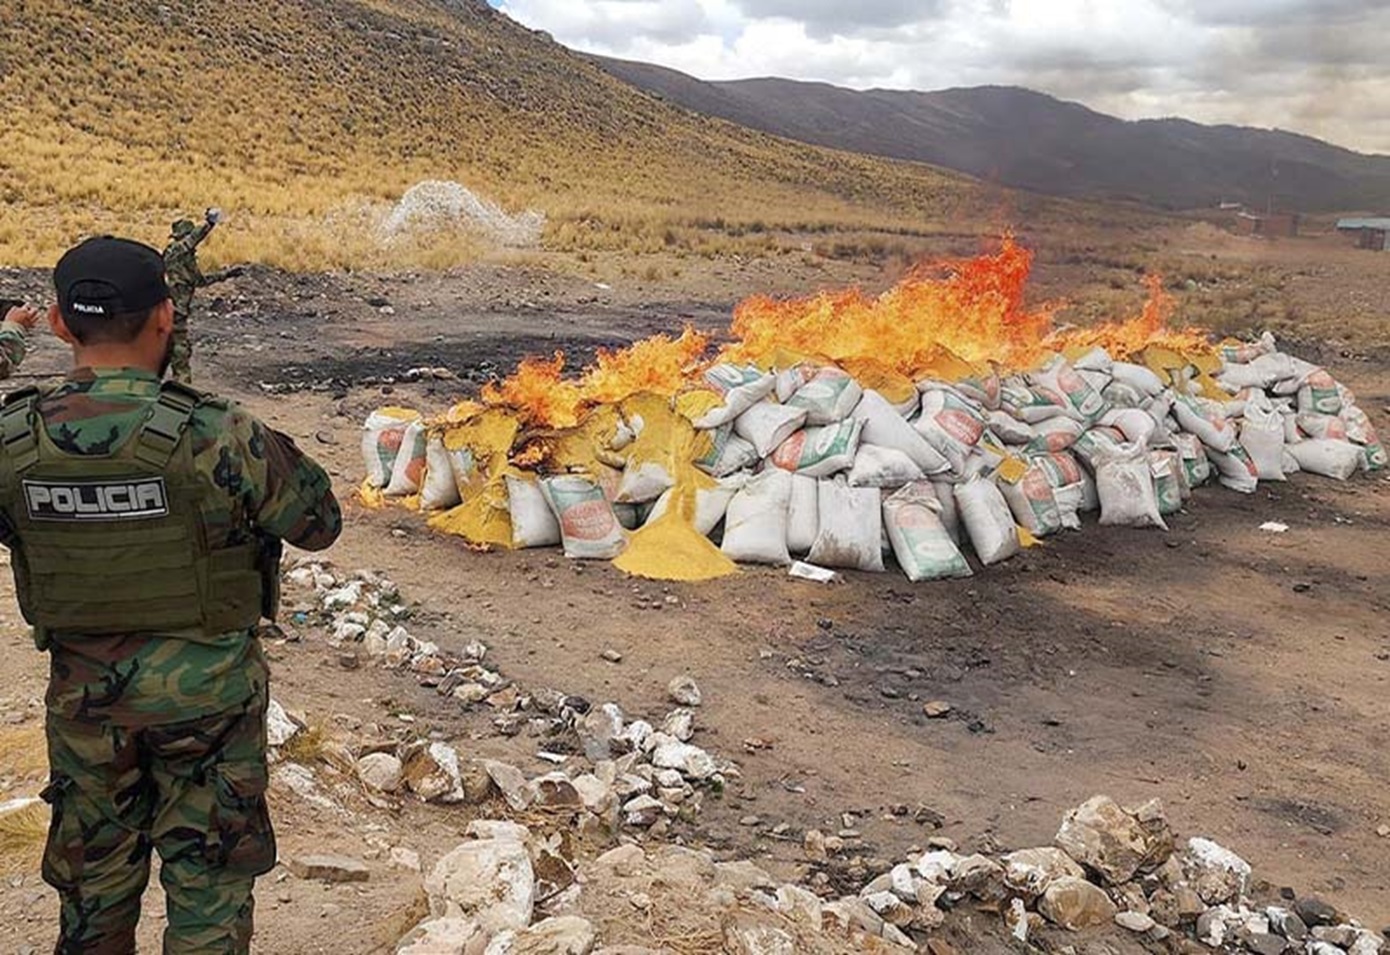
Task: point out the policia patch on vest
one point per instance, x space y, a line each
137 499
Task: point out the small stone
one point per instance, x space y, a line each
1076 904
1287 924
441 935
329 868
1263 943
489 879
685 691
1102 836
405 859
643 811
433 774
680 724
814 845
937 710
1383 832
381 772
512 784
1135 922
1315 912
612 656
563 935
1218 874
751 821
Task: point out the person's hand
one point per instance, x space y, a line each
25 316
213 216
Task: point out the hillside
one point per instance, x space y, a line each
303 118
1027 140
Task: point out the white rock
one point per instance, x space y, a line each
1076 904
890 908
685 691
635 736
405 859
624 860
692 761
564 935
1218 874
680 724
801 906
444 936
490 880
433 774
643 811
280 729
381 772
1135 922
937 866
744 935
512 783
596 795
1114 842
1030 871
1367 943
343 597
499 830
904 883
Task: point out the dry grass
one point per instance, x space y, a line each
23 760
304 120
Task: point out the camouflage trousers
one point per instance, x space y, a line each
195 793
181 363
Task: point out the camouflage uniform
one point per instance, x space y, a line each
14 345
185 278
157 741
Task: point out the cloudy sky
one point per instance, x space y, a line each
1316 66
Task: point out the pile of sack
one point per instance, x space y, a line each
808 462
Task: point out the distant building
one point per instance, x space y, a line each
1268 224
1370 233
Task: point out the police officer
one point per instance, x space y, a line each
145 522
185 278
19 321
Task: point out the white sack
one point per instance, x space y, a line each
533 522
1334 459
1262 436
1009 429
1059 380
1127 494
822 451
951 424
742 388
728 453
382 435
886 428
803 515
1137 377
588 526
883 467
767 425
643 482
1235 471
1136 424
1264 372
409 468
921 544
755 528
1207 420
851 528
986 517
440 489
827 398
1031 501
950 512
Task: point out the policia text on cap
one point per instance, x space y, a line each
145 523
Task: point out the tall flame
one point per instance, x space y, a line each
971 308
942 320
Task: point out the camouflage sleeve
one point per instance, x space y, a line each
14 345
199 234
287 494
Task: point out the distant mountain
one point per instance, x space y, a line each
1028 140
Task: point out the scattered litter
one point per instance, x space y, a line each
820 575
1274 527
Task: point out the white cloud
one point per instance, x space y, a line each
1310 65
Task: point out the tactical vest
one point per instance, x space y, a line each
118 543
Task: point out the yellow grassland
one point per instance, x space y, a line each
306 120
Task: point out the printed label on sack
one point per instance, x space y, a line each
589 521
116 500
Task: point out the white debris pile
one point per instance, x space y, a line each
809 464
619 773
438 206
1112 866
508 887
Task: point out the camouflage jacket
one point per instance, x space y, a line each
181 267
264 481
14 345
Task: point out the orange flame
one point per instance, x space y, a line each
1125 340
941 320
975 311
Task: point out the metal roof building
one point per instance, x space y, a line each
1374 233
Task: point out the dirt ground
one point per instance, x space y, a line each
1239 675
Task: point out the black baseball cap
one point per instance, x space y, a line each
105 277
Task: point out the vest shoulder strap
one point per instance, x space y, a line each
19 434
166 423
